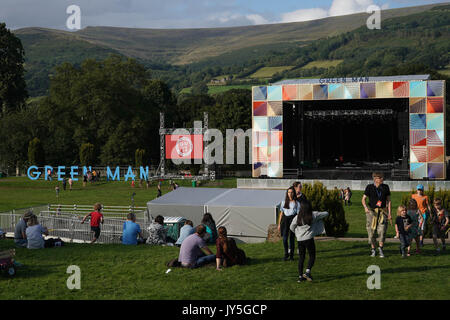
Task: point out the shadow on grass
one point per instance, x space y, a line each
28 272
399 270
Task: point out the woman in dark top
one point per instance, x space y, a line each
211 230
228 254
288 210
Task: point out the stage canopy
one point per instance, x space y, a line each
246 214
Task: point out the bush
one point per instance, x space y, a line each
432 194
325 200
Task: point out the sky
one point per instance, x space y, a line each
172 14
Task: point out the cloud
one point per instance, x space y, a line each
337 8
304 15
257 19
344 7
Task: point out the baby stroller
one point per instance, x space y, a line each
7 262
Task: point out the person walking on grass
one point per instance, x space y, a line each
403 225
70 184
440 223
306 225
96 219
378 212
288 210
414 213
424 206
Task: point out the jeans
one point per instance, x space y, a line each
404 242
291 237
204 260
21 242
302 246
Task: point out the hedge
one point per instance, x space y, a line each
323 199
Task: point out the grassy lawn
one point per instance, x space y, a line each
267 72
123 272
322 64
21 192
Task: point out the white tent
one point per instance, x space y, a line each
245 213
184 202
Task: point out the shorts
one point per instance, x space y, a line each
96 231
437 232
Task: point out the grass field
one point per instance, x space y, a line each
267 72
21 192
124 272
322 64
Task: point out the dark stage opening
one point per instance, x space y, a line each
358 133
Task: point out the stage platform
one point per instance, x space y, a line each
340 184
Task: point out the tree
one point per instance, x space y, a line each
199 88
139 157
12 83
36 153
87 154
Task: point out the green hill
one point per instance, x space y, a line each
183 57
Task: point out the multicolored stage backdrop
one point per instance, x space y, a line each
426 117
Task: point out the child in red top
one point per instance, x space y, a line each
96 219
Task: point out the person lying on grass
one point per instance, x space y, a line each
96 219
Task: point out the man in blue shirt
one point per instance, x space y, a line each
131 230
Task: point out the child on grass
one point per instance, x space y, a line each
424 206
96 219
414 213
403 224
440 223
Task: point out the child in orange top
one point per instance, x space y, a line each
424 208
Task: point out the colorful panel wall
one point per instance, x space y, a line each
426 120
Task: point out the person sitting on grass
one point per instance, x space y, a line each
131 230
414 213
96 219
185 231
20 237
305 226
403 224
34 232
440 223
157 234
194 251
228 254
210 226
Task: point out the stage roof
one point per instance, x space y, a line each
422 77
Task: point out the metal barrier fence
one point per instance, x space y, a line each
68 226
